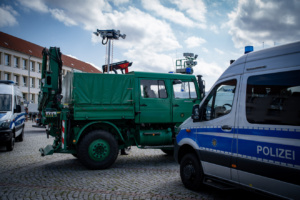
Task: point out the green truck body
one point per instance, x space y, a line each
93 116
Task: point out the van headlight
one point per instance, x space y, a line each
5 124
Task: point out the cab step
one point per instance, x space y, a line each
222 185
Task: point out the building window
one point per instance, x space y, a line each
6 76
16 79
24 95
32 82
39 83
24 64
32 98
16 64
32 66
40 67
24 81
7 59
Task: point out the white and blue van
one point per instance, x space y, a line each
246 131
12 115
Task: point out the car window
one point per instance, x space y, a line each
274 98
219 101
185 90
153 89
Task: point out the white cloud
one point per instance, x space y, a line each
214 29
210 71
8 16
167 13
196 9
62 17
36 5
194 42
119 2
205 50
268 21
147 40
219 51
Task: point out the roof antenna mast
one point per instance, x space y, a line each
107 36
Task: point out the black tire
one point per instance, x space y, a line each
20 138
191 172
10 144
168 152
98 150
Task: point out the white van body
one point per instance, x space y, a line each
12 115
253 139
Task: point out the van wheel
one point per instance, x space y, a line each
191 172
20 138
98 150
10 144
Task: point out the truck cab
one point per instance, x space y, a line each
11 115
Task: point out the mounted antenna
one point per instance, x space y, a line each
185 66
107 36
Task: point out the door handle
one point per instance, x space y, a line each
226 128
175 105
143 105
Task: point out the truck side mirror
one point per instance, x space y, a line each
17 109
196 113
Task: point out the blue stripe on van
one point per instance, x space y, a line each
267 151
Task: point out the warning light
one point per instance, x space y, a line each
248 49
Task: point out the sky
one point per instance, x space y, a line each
157 31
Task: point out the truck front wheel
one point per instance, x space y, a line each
98 150
191 172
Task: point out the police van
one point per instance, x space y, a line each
246 131
12 115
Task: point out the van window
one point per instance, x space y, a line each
153 89
219 101
274 98
185 90
5 102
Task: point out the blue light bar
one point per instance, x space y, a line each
188 70
248 49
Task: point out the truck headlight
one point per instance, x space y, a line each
5 124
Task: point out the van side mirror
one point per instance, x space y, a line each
196 113
17 109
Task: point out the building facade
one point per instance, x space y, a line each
21 62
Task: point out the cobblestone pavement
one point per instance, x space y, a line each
144 174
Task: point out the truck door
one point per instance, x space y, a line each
155 105
184 97
216 135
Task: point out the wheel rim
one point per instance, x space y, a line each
99 150
189 172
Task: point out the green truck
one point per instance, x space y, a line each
94 116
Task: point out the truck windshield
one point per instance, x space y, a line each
5 102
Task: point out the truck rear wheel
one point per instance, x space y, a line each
98 150
191 172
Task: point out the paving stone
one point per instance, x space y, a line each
143 174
